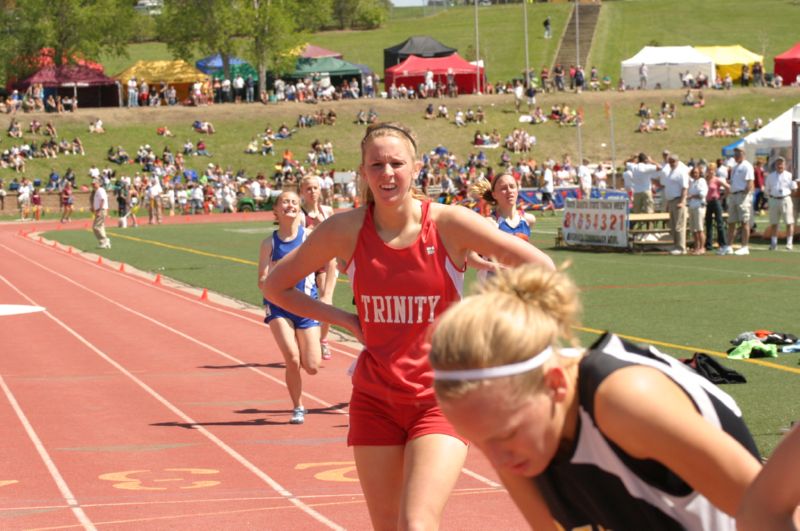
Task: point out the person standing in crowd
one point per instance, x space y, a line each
297 337
759 197
133 93
675 180
698 191
548 188
67 199
643 76
740 202
643 170
100 209
406 257
613 436
153 198
314 213
779 188
714 208
547 32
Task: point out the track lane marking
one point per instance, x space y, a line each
756 361
59 480
266 478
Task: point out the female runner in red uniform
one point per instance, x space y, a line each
406 259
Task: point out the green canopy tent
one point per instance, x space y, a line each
336 69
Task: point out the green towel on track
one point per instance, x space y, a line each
753 348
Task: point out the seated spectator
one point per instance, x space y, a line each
429 112
77 147
361 117
164 131
372 116
50 130
35 126
14 129
188 148
252 147
480 116
442 112
204 128
267 147
459 119
283 132
201 149
96 126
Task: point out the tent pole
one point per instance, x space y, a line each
525 26
477 53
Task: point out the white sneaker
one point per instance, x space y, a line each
298 415
773 246
677 252
789 247
744 251
722 251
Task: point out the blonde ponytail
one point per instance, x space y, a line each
515 314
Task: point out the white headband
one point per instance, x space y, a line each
483 373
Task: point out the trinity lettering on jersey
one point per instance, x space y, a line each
399 309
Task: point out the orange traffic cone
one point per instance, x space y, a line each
122 267
157 279
99 260
204 295
69 251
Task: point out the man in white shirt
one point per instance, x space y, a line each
100 210
779 187
548 188
585 179
740 202
675 180
153 196
643 171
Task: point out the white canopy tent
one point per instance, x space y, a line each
773 139
665 64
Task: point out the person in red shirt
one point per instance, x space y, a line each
405 256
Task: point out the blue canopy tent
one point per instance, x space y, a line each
212 65
727 151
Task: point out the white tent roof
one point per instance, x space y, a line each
667 55
775 135
665 64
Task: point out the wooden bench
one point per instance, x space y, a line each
644 225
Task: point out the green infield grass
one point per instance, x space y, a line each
680 304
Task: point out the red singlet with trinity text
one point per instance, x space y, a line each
398 294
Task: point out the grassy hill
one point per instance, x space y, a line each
765 27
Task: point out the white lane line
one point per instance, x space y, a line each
466 471
72 502
213 349
186 418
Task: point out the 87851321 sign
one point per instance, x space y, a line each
596 222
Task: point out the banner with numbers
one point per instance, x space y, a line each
597 222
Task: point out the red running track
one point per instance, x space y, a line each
132 405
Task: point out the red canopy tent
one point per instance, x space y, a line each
787 64
92 88
411 72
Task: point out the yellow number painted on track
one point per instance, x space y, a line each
150 480
338 473
7 482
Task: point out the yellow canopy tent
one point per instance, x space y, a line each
179 74
729 59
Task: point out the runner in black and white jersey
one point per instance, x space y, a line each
614 436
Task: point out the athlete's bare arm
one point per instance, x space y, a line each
650 417
334 239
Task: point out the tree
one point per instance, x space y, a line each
312 16
273 35
71 28
361 13
205 26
